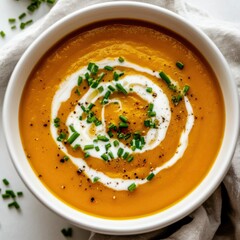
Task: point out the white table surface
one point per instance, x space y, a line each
35 221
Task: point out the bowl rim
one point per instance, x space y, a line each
128 226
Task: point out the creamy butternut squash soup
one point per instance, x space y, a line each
122 119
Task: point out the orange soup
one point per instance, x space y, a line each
122 119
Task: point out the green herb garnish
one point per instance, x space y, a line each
132 187
180 65
150 176
73 137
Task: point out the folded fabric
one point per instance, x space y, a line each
219 217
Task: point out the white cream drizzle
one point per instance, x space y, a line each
154 137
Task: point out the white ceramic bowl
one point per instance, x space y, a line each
105 11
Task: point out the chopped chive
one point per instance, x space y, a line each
97 81
93 68
127 136
125 155
28 22
83 108
104 157
176 99
76 146
111 88
142 140
136 135
2 34
66 232
94 84
5 181
130 158
105 98
150 176
121 60
116 143
101 89
22 16
87 75
87 147
72 128
149 89
180 65
115 76
123 125
133 148
123 118
5 196
97 123
73 137
91 119
165 78
97 148
108 68
107 146
56 120
111 155
61 136
95 140
147 123
11 193
13 27
89 81
150 107
121 88
95 179
132 187
185 89
12 20
86 155
80 79
107 95
19 194
112 126
90 106
22 25
120 152
14 204
66 158
120 135
102 138
152 114
110 134
137 143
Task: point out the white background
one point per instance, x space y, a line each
35 221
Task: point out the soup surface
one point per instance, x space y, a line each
122 119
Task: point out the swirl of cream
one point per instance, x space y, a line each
153 138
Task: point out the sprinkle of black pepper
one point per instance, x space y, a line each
45 125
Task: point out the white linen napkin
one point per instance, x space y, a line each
219 217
